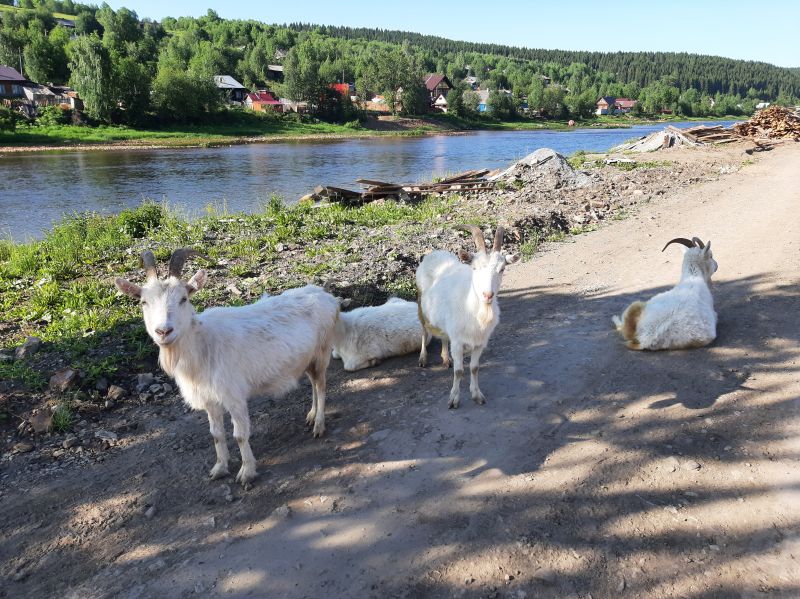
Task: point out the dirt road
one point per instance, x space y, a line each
592 471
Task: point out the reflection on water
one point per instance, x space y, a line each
37 189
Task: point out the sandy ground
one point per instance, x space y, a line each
592 471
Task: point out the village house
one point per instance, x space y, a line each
11 83
612 105
275 72
263 101
438 86
233 91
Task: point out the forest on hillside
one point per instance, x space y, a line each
135 70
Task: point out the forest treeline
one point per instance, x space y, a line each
134 71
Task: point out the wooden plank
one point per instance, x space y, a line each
376 183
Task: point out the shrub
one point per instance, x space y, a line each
53 115
8 120
138 221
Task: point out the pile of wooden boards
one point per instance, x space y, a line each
774 122
466 182
707 135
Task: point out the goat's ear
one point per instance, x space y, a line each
197 282
465 256
128 288
708 247
512 258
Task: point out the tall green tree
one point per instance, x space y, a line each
91 75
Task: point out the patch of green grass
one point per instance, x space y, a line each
62 418
21 373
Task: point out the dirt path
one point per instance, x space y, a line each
593 471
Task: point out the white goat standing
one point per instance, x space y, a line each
225 355
458 303
682 317
366 336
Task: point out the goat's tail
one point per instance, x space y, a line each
628 324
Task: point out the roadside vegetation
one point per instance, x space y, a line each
60 288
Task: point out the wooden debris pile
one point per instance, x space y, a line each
466 182
673 137
774 122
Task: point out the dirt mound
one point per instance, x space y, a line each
544 169
775 122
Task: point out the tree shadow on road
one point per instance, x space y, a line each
583 463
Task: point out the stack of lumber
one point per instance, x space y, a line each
774 122
673 136
466 182
704 135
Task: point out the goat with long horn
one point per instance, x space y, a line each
682 317
457 302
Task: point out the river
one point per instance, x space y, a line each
37 189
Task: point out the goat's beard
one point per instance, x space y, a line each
168 358
486 313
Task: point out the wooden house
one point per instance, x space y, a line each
437 85
263 101
11 83
605 105
233 91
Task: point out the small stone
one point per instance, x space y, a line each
62 380
106 435
227 494
210 522
545 576
22 447
58 453
233 290
380 435
690 465
167 388
638 192
155 388
280 247
115 393
143 381
70 441
714 547
27 349
108 404
150 511
671 464
283 511
621 584
41 421
159 564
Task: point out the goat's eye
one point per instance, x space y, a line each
183 300
144 303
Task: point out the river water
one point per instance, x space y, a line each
37 189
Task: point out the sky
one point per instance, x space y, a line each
763 31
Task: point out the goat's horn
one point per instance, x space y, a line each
498 238
682 240
477 235
698 242
178 259
149 265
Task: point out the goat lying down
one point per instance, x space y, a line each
458 303
682 317
223 356
365 337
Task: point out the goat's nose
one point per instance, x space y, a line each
488 295
165 331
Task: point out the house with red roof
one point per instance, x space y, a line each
262 101
438 86
612 105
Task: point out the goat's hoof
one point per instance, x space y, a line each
246 475
479 398
447 362
311 417
218 471
452 404
423 362
319 429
